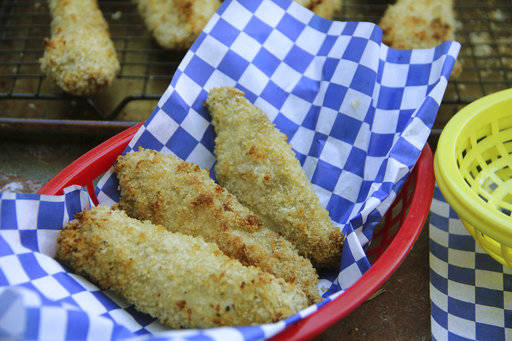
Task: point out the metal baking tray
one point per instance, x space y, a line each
30 103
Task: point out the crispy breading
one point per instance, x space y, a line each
256 165
324 8
175 24
183 198
419 24
80 56
183 281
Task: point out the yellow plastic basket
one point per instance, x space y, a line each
473 168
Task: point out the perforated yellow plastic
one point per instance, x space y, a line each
473 167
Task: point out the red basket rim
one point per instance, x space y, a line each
80 172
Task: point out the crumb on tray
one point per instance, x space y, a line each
117 15
498 15
481 40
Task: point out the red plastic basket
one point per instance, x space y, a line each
392 240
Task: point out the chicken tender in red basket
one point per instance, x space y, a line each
255 163
183 281
182 197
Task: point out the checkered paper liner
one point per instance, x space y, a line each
356 112
470 292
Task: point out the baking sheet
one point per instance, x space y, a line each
147 69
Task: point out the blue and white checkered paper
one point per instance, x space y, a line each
356 112
470 292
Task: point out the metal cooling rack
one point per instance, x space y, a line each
26 93
485 33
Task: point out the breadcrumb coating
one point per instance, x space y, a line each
324 8
183 281
255 163
419 24
182 197
80 56
175 24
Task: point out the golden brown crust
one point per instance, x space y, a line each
419 24
175 24
181 280
324 8
182 197
255 163
80 56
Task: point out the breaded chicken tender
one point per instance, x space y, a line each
324 8
175 24
181 280
419 24
182 197
80 56
256 165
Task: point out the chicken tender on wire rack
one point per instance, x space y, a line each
175 24
183 281
256 165
80 56
182 197
324 8
419 24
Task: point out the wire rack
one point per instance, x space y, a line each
26 93
485 31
